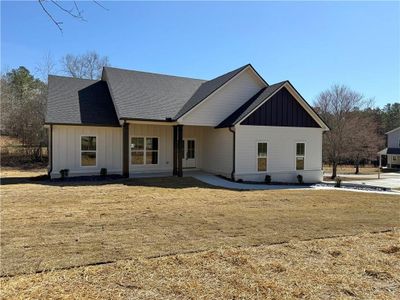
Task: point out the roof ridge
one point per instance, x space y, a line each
71 77
153 73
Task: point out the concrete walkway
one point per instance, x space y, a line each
218 181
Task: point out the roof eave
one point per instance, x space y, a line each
82 124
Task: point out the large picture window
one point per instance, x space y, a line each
262 150
300 155
144 151
88 151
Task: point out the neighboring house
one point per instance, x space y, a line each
392 152
235 125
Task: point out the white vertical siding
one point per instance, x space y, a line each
67 152
218 151
281 152
225 101
393 139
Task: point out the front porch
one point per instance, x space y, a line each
390 158
164 149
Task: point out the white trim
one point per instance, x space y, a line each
393 130
257 157
161 123
303 156
299 99
80 150
144 150
195 152
181 118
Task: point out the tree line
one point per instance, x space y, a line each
357 130
24 96
356 135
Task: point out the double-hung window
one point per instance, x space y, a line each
262 149
88 151
300 155
144 151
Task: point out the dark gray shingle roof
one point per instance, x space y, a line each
250 105
134 95
79 101
141 95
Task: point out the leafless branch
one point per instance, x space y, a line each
70 11
101 5
74 12
58 24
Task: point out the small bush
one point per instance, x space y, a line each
64 173
103 172
267 179
338 182
300 179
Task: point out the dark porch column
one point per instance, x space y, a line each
125 150
180 149
175 152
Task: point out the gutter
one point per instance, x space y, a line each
50 154
233 153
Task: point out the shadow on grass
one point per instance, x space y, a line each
158 182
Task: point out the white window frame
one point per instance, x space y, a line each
80 149
257 157
303 156
195 146
144 150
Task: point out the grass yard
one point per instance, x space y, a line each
362 267
128 224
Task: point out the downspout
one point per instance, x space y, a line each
50 153
233 153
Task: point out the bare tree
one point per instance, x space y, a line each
88 65
45 67
336 106
364 141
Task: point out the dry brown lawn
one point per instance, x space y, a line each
31 171
359 267
127 224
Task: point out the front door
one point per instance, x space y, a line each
189 153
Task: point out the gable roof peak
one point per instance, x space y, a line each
209 87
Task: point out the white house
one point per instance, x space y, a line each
392 151
235 125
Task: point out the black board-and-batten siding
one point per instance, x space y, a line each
281 110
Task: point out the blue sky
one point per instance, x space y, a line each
312 44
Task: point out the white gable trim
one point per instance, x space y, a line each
393 130
256 75
299 99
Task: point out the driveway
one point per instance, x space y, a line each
387 180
